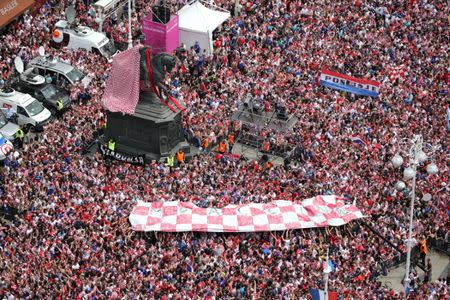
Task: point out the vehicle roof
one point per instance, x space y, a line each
61 24
104 3
16 98
58 66
38 87
99 39
82 32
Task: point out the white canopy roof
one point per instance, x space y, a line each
196 16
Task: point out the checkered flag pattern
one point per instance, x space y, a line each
122 86
397 72
175 216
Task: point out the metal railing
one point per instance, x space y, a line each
436 244
439 244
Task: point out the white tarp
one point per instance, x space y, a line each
197 22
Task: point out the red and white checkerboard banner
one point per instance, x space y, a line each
122 86
397 72
175 216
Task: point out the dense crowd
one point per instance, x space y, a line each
71 238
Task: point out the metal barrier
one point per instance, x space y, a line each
439 244
436 244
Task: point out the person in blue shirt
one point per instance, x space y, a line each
197 47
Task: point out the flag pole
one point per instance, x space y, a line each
325 273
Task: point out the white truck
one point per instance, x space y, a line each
82 37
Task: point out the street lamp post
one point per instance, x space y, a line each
411 217
416 156
236 8
130 38
326 273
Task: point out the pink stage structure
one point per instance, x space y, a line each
161 37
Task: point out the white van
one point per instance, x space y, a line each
31 112
82 37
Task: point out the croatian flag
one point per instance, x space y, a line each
397 72
358 140
320 295
349 84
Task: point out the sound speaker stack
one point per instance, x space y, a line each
161 14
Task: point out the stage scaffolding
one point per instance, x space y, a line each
249 142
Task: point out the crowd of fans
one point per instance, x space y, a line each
71 239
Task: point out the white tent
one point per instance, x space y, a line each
197 22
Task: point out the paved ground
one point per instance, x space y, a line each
439 261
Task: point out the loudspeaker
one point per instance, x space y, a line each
161 14
281 112
282 116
